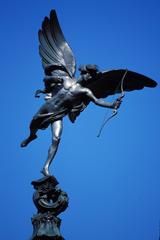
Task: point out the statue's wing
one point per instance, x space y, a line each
109 82
54 50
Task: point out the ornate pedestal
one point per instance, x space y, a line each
50 201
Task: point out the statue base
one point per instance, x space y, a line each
50 201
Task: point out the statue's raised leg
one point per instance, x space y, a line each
56 128
32 135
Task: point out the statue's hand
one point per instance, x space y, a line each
117 103
37 93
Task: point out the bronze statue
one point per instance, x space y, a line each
67 96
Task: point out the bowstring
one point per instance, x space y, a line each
114 113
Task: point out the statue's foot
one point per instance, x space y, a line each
45 172
28 140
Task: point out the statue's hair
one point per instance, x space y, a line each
88 68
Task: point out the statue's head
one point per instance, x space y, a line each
91 69
88 73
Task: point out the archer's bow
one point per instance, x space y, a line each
115 111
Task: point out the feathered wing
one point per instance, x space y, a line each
109 82
54 50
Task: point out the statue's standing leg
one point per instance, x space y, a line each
56 129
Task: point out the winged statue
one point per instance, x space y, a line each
67 96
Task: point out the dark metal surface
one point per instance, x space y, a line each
50 201
54 49
67 96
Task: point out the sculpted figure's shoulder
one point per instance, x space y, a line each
68 82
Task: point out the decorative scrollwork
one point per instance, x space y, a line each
50 201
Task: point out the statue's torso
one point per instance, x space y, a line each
70 95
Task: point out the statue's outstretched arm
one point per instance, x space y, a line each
49 82
38 92
101 103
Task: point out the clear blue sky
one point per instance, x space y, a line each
112 182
